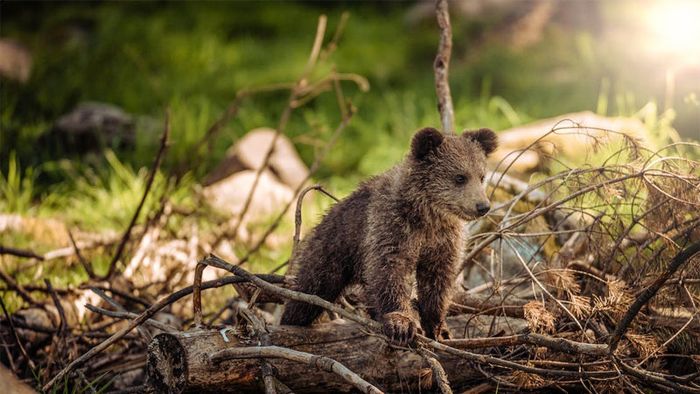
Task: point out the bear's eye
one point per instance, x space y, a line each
460 179
481 179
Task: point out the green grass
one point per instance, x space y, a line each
16 187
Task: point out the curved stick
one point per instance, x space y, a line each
297 213
320 362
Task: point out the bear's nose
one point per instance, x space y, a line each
483 208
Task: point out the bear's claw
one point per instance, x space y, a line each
400 328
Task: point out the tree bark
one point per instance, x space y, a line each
181 361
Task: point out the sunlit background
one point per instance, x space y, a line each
674 29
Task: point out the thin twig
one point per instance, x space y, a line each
481 343
129 315
320 362
86 264
70 250
12 284
297 213
16 337
333 44
149 183
63 327
144 333
20 253
115 292
197 294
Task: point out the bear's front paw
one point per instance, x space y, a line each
400 328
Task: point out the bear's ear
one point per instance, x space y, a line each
425 141
486 138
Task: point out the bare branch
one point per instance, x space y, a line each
12 284
20 252
86 264
442 68
147 189
320 362
16 337
130 315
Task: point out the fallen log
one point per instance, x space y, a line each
189 361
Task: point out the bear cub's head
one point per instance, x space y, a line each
451 170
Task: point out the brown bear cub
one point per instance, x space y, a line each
408 220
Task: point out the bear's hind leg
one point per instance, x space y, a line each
324 279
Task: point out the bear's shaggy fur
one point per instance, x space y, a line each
408 220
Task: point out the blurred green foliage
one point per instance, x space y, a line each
192 57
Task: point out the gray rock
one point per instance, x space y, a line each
92 126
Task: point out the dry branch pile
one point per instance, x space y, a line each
586 279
